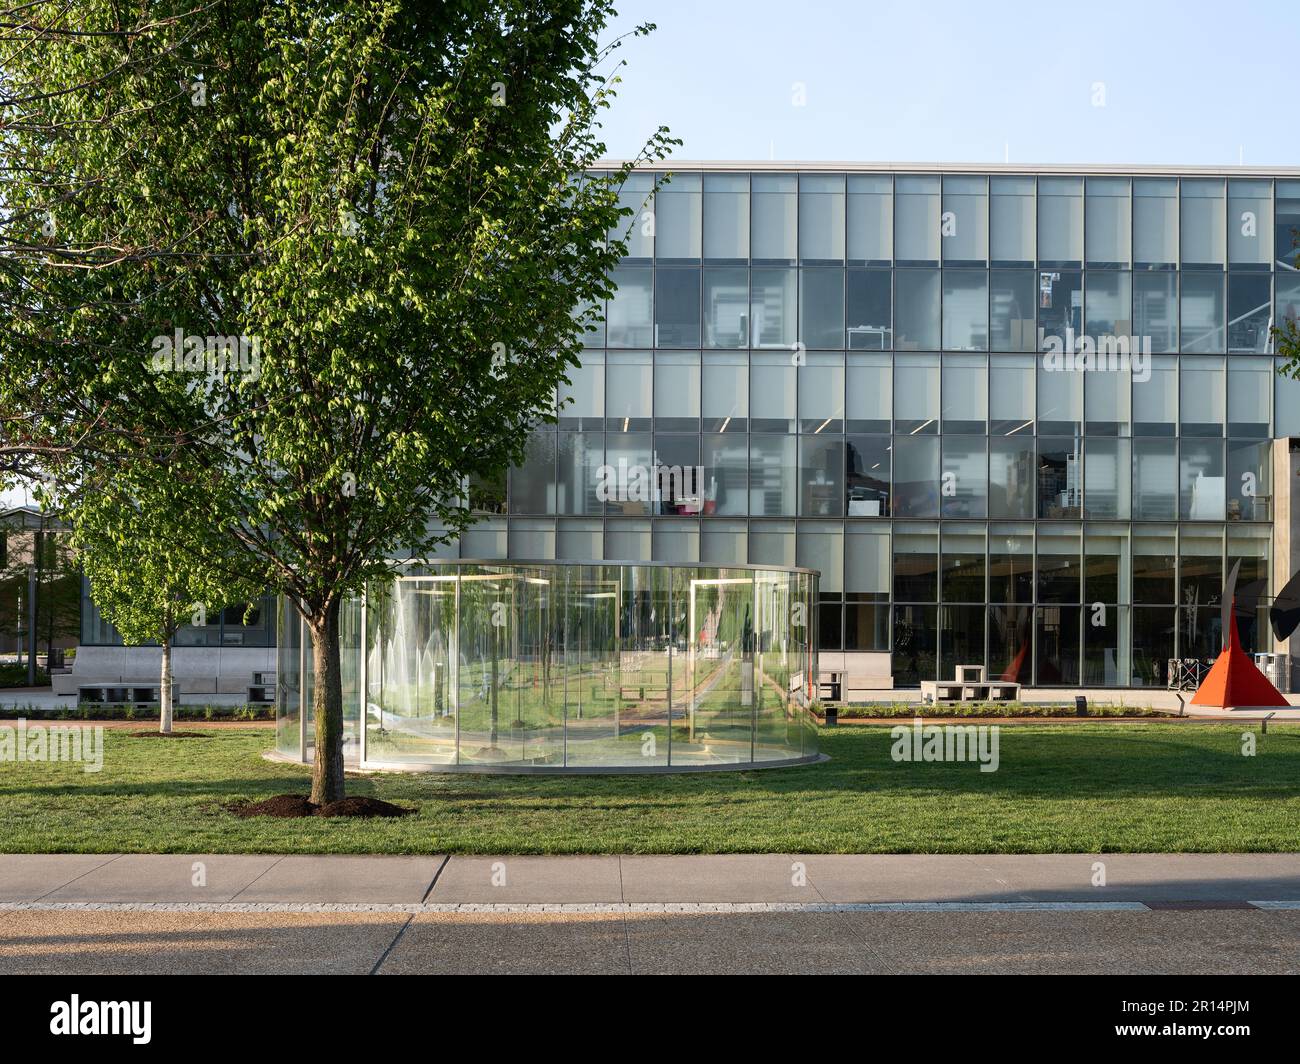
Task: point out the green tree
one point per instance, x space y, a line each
147 582
385 212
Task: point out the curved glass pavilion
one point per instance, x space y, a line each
567 667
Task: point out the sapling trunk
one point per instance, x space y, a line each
327 783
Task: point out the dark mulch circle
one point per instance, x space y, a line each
170 735
360 806
297 805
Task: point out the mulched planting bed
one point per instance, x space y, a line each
297 805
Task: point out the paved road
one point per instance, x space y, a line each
744 913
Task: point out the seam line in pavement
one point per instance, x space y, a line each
259 875
396 938
857 933
96 868
627 908
436 873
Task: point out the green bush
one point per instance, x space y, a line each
15 675
890 710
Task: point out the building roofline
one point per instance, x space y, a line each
1127 170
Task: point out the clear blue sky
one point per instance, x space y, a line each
1184 81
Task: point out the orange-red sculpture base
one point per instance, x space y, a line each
1235 682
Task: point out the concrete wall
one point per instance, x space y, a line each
198 670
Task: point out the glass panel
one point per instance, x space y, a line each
1201 480
1106 639
1201 396
677 307
821 476
725 392
1249 397
1155 480
1011 311
962 637
916 221
629 315
1107 567
679 219
629 389
772 308
916 310
628 488
1155 223
821 393
916 393
1153 565
961 567
1250 313
1011 563
1250 224
916 564
916 476
726 218
870 219
866 561
1109 222
772 392
1106 399
1060 399
580 456
1155 400
916 630
1058 638
773 219
726 308
677 391
1106 478
868 314
1249 486
582 400
1155 310
965 310
1060 478
1153 646
532 485
726 471
1012 476
1060 307
821 309
773 474
869 459
964 477
638 226
821 218
1109 306
1200 568
1011 643
1202 313
964 224
579 540
1012 220
1059 568
869 392
965 393
1060 221
1203 229
1286 239
1011 394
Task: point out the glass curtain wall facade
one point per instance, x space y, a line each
856 361
543 666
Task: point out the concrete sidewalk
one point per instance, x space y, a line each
740 882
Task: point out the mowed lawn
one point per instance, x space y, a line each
1062 788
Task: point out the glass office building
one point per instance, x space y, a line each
857 361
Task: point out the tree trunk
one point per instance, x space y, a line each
165 690
327 706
